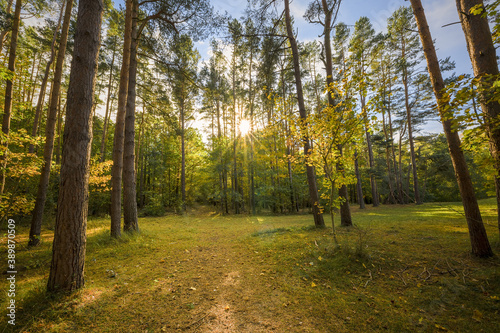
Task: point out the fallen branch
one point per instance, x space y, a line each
401 277
194 322
371 278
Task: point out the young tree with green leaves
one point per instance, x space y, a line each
325 13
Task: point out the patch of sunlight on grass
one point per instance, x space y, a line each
88 296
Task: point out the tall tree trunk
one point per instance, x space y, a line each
34 81
416 189
130 219
484 62
235 139
183 157
60 113
119 138
36 220
68 250
311 177
359 187
400 167
345 209
252 184
392 198
43 86
30 88
7 110
479 240
371 160
393 153
106 116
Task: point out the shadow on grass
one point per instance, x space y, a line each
37 303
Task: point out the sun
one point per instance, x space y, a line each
244 127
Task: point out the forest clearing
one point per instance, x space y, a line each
249 166
400 269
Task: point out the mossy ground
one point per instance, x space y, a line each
401 269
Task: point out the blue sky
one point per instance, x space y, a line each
450 40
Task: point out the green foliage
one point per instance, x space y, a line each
21 173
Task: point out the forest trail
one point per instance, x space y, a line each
236 288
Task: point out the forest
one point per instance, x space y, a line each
155 150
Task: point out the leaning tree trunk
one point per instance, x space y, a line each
8 92
119 138
130 220
479 239
484 62
36 221
311 177
68 250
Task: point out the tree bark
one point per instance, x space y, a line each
8 92
68 250
311 177
130 219
36 221
479 239
119 139
484 62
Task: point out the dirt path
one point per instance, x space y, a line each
235 289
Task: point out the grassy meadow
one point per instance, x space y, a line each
400 269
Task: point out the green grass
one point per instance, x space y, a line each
400 269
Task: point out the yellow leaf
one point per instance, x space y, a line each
441 328
313 284
477 315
